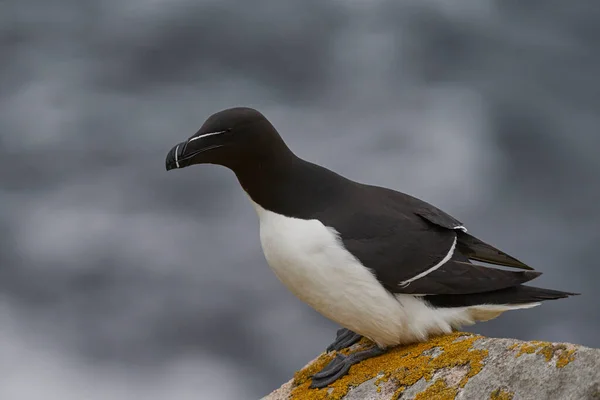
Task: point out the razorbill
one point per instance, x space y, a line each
380 263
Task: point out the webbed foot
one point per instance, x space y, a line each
345 338
340 366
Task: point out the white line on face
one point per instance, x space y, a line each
205 135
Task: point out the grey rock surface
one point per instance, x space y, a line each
461 366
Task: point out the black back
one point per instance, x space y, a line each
396 236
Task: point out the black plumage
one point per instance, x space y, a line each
413 249
401 239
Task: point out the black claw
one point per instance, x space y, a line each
333 366
349 341
340 366
343 333
319 383
344 338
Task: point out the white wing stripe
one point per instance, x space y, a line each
436 266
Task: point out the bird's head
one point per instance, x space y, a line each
232 138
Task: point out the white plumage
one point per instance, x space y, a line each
311 261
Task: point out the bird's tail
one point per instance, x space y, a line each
516 295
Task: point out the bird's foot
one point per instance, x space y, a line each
344 338
340 366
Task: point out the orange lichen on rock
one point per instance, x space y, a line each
563 354
438 391
501 394
404 366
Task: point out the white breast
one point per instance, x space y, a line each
311 261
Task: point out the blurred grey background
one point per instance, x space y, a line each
119 280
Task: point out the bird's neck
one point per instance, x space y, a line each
289 185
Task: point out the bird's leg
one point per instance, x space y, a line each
340 366
345 338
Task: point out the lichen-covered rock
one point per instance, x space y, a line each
459 366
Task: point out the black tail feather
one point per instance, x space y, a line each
478 250
520 294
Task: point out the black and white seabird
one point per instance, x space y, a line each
380 263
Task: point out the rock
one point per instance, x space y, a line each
460 366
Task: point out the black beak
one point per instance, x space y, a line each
186 153
175 157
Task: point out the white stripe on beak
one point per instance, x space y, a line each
176 160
